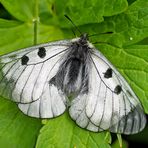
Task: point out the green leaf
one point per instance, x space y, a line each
66 134
133 64
116 144
16 130
134 23
16 35
83 12
92 9
137 71
21 9
8 24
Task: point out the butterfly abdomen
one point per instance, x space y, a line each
74 77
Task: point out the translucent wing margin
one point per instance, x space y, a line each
25 75
110 103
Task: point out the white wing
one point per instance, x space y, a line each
25 75
110 103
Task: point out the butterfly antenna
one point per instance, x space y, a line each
74 32
100 34
73 24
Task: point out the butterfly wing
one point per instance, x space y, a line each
25 76
110 103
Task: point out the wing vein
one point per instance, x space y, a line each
7 71
36 82
103 107
17 81
99 73
21 95
7 83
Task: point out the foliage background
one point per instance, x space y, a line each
27 22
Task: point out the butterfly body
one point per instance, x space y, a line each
47 78
72 76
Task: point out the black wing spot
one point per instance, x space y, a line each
118 89
42 52
108 73
24 60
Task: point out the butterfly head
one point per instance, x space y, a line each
84 41
84 38
81 45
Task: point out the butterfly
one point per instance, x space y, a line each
47 79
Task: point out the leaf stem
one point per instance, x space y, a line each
119 140
35 21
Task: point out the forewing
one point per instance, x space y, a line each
25 77
110 103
